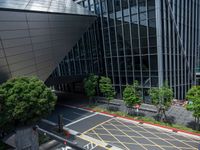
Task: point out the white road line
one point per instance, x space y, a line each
80 120
67 119
78 113
75 107
49 122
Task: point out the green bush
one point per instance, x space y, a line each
25 100
193 95
162 98
90 85
131 94
106 88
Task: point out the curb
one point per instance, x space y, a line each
171 129
196 135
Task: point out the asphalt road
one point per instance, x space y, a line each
97 131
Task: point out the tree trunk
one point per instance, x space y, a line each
197 123
90 99
108 104
164 115
158 115
128 110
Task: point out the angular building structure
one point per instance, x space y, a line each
152 41
35 35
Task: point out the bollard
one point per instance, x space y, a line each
60 123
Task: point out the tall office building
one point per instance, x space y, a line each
151 41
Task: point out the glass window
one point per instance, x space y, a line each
142 5
137 63
134 9
150 4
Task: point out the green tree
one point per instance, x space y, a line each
106 88
162 98
131 95
90 85
193 95
25 100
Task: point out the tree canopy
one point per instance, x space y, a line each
25 100
90 85
106 88
131 94
161 97
193 95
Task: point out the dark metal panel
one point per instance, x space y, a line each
1 52
3 62
28 70
36 45
16 42
37 17
21 65
14 34
19 58
18 50
40 39
5 16
7 25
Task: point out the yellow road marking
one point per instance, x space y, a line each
93 141
148 145
129 130
140 135
96 126
181 141
154 135
134 136
98 136
116 138
192 140
128 136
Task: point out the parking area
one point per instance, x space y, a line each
129 136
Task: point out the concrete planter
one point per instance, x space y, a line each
26 138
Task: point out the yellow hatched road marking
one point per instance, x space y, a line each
149 145
153 134
116 138
141 135
192 140
171 137
109 123
98 136
129 136
96 126
94 141
181 141
134 136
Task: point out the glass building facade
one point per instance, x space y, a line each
151 41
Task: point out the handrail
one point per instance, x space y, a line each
69 143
